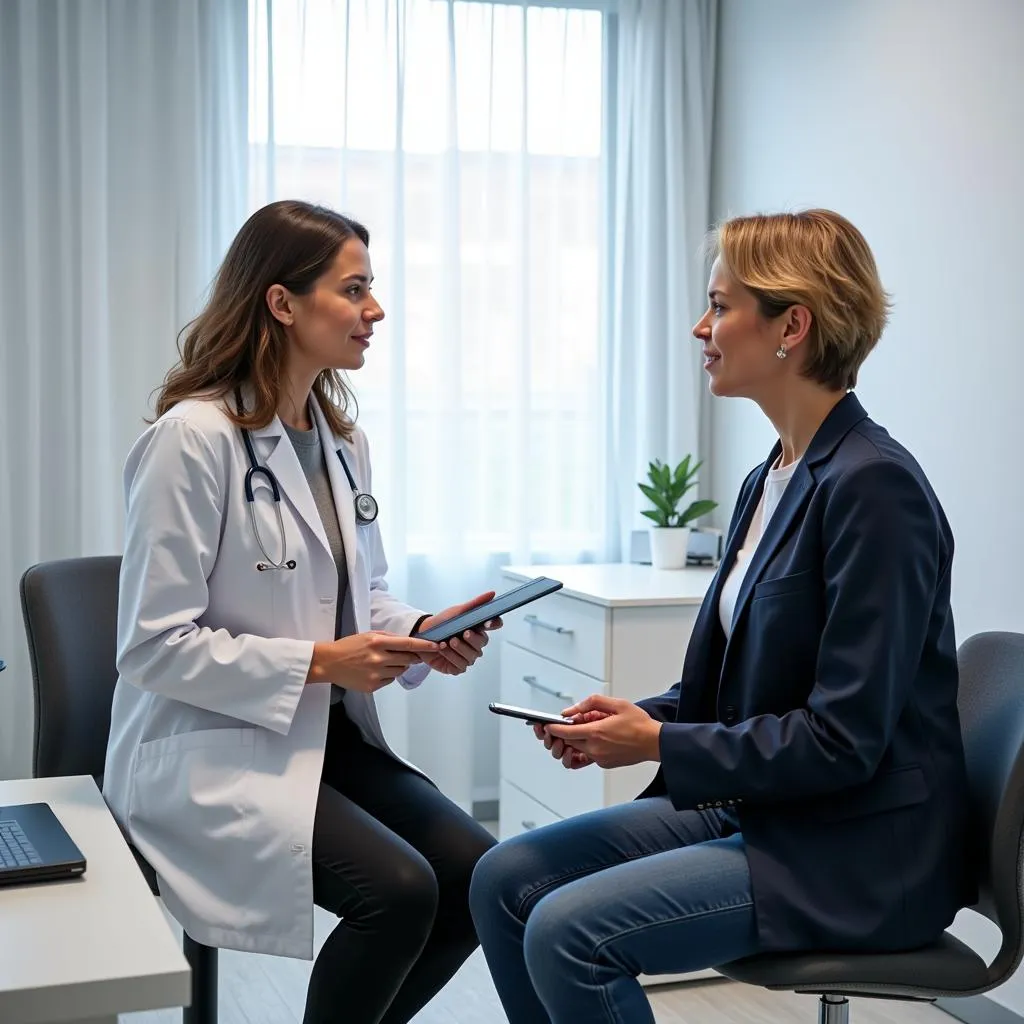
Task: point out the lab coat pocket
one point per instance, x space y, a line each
192 793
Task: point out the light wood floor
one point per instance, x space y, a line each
257 989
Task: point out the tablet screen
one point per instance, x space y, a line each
500 605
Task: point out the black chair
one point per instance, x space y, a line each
992 717
70 612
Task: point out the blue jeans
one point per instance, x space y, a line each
570 914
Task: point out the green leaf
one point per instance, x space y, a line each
657 499
657 517
696 510
680 489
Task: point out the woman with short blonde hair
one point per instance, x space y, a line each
819 260
811 790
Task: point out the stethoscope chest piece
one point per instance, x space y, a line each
366 508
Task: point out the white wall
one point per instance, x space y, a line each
907 116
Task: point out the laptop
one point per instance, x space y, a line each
34 846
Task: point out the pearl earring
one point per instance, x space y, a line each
781 353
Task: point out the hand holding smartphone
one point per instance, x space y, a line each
528 714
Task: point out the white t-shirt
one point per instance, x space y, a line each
774 488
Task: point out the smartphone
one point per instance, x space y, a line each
528 714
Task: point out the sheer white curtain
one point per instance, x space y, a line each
468 137
665 78
122 148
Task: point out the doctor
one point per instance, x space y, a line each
246 760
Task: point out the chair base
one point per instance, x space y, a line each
203 961
833 1010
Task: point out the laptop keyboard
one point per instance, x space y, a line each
15 849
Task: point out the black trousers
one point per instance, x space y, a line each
393 857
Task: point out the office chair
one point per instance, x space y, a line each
992 718
70 612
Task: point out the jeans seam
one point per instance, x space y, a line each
609 1009
581 873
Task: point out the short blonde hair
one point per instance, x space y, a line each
816 259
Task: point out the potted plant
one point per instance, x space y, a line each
670 535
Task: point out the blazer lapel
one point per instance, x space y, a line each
340 487
794 498
846 414
278 455
739 535
703 659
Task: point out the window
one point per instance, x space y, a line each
468 137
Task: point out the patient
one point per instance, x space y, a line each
812 791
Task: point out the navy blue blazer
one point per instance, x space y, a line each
828 721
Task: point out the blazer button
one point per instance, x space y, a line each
700 807
731 714
718 803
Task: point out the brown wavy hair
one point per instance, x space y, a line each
236 341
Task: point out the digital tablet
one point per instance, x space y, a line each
494 609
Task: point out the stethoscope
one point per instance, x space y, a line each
365 504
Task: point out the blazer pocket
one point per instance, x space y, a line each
902 787
797 581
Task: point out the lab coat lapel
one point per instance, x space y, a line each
277 454
340 487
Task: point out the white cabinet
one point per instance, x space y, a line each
615 629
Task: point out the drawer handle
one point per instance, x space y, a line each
557 694
532 620
529 825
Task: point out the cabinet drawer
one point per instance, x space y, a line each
565 629
534 682
519 813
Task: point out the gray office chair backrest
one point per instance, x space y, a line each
70 612
992 716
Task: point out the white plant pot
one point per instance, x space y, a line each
668 546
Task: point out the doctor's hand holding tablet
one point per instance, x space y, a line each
369 661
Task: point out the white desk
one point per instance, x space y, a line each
87 949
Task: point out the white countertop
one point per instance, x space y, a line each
89 947
621 584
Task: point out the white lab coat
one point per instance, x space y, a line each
216 743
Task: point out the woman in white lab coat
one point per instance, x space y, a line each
246 760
